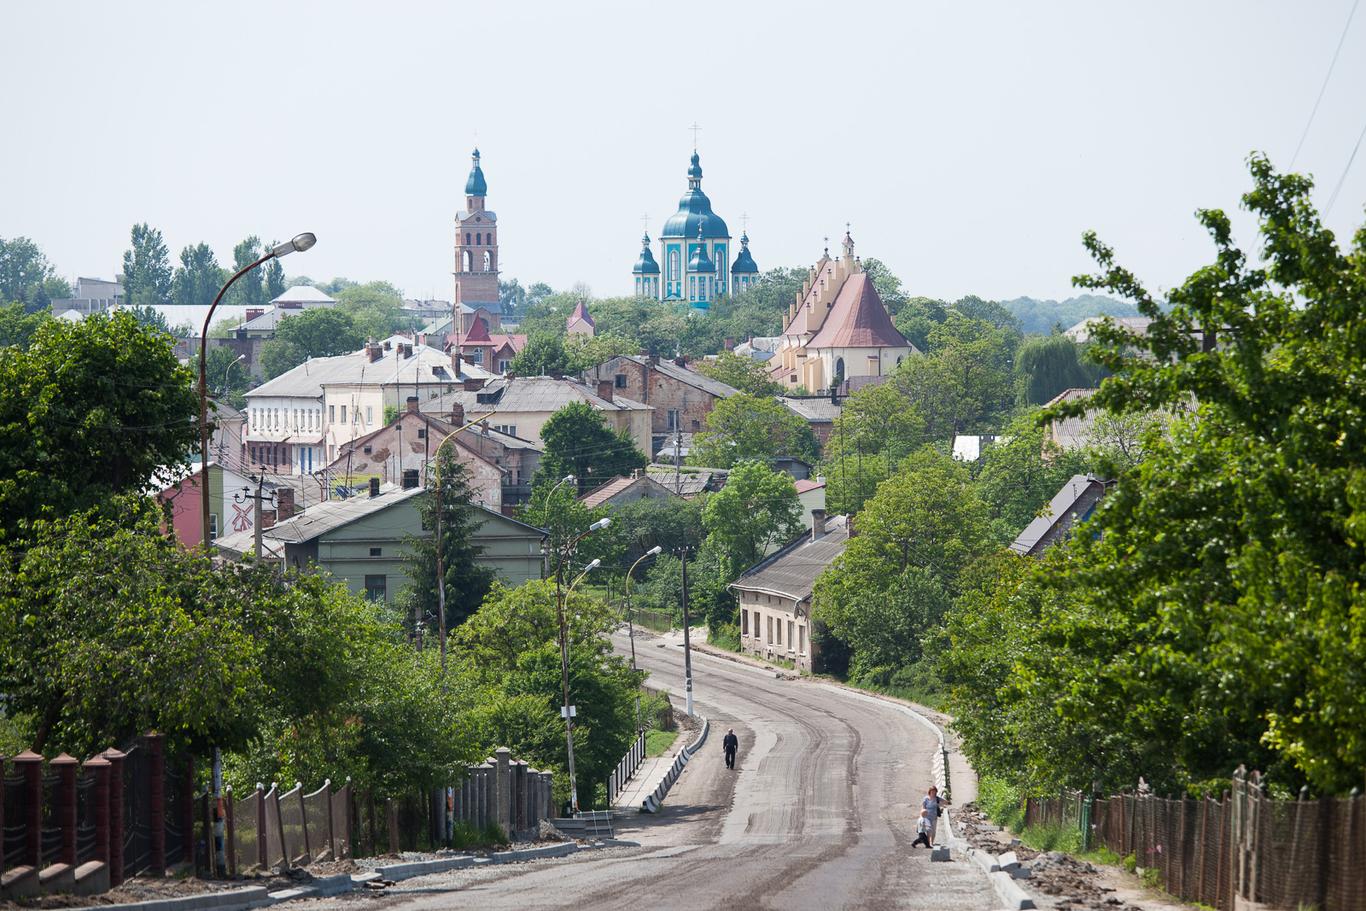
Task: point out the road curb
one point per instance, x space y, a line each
249 897
652 803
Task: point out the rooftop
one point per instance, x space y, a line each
426 365
605 493
528 394
812 408
792 571
303 294
858 319
1062 503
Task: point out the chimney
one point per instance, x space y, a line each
458 414
681 361
284 500
605 389
267 519
473 385
729 343
407 349
455 362
373 350
253 312
374 487
849 524
410 478
653 360
817 524
411 402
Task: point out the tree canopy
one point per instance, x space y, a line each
578 441
748 427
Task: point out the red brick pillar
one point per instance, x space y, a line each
156 802
66 804
31 765
99 810
115 759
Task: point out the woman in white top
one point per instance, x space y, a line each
933 805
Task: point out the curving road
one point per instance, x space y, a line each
818 815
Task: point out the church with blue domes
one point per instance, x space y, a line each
695 252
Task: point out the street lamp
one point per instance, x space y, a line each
300 243
227 374
560 595
630 609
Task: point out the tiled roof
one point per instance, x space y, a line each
529 393
818 409
687 483
806 484
618 486
1069 395
792 571
858 319
580 314
303 294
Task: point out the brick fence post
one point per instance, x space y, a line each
66 805
115 759
519 814
31 765
186 809
156 803
98 767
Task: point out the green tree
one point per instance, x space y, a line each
321 332
278 356
917 317
543 355
273 274
965 383
146 269
247 291
887 285
88 411
17 326
1019 473
578 441
25 275
199 277
747 427
760 309
756 511
742 373
467 579
373 307
1047 365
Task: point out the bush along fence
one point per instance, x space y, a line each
1244 849
72 826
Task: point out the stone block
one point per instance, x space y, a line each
92 878
57 878
940 854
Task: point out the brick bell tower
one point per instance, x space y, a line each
476 248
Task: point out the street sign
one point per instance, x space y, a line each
571 711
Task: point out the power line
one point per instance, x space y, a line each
1343 179
1327 76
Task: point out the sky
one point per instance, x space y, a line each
968 145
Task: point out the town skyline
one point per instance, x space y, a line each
967 184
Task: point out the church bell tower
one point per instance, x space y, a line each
476 248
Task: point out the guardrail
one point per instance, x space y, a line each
626 769
652 803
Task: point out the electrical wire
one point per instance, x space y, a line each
1326 77
1343 179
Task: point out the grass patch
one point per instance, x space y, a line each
657 742
466 835
726 636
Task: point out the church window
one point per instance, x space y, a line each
469 261
488 261
467 237
478 238
673 265
839 369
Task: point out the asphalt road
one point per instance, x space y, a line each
819 814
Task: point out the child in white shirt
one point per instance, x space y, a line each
923 829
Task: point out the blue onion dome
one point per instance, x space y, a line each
700 261
476 186
694 211
646 264
744 263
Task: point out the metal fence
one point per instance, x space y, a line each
1243 847
660 621
626 769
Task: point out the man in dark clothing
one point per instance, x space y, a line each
730 743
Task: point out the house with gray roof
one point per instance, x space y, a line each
364 541
776 593
681 397
1074 503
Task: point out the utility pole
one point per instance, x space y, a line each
687 641
257 497
678 462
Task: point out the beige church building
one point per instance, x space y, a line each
837 330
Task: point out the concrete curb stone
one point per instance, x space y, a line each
249 897
652 803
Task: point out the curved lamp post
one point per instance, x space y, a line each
630 610
560 595
300 243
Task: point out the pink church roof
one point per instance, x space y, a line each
580 314
858 319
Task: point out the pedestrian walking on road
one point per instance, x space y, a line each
923 830
933 807
731 744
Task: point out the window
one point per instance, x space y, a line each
213 526
673 419
780 631
422 433
467 237
509 429
621 380
801 640
369 415
503 366
475 356
365 449
488 261
789 634
376 588
376 551
478 238
768 637
744 622
696 425
343 409
673 265
332 414
839 369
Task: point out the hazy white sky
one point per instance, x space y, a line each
969 144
